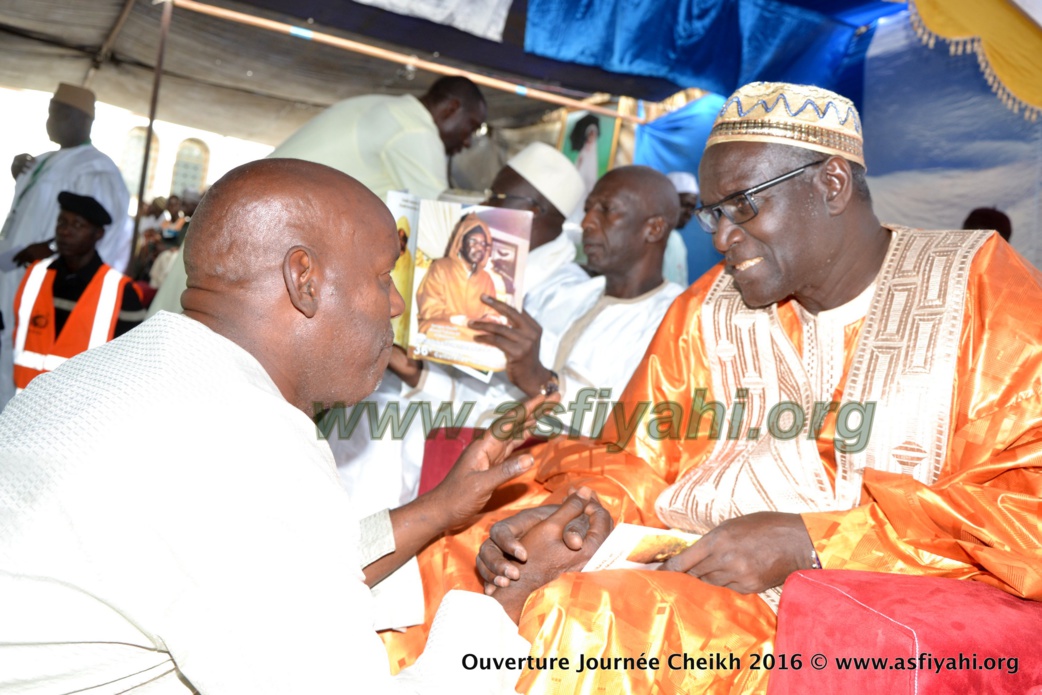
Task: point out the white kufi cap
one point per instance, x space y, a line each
552 174
684 182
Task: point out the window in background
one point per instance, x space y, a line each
190 167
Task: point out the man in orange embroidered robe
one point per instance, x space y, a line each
450 293
837 391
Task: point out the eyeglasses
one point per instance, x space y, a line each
740 207
510 200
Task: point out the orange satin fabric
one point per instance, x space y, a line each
980 521
634 613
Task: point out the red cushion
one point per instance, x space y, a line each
963 624
440 451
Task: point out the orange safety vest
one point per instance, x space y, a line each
90 324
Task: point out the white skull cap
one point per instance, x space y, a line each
684 182
552 174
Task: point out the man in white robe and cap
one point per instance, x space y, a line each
585 339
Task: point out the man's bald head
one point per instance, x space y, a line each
288 259
629 215
239 228
656 192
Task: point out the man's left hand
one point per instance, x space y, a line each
749 553
519 341
33 252
484 466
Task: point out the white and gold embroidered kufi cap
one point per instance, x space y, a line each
791 114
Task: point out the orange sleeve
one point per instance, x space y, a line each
645 444
433 296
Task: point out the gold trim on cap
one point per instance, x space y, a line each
784 133
763 112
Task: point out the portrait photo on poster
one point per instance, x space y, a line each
463 255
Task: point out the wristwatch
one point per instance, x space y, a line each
552 385
53 245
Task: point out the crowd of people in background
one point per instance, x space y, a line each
161 231
230 559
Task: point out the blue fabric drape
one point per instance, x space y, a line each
938 143
675 143
711 44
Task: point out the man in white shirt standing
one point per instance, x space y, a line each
77 167
230 560
393 143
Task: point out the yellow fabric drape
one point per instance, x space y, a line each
1007 42
614 615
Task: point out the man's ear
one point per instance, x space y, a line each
838 181
655 229
301 275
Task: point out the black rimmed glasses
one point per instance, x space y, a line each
509 200
476 242
740 207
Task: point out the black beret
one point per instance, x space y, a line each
84 206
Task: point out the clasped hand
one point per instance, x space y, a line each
749 554
546 554
406 368
514 549
33 252
21 163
